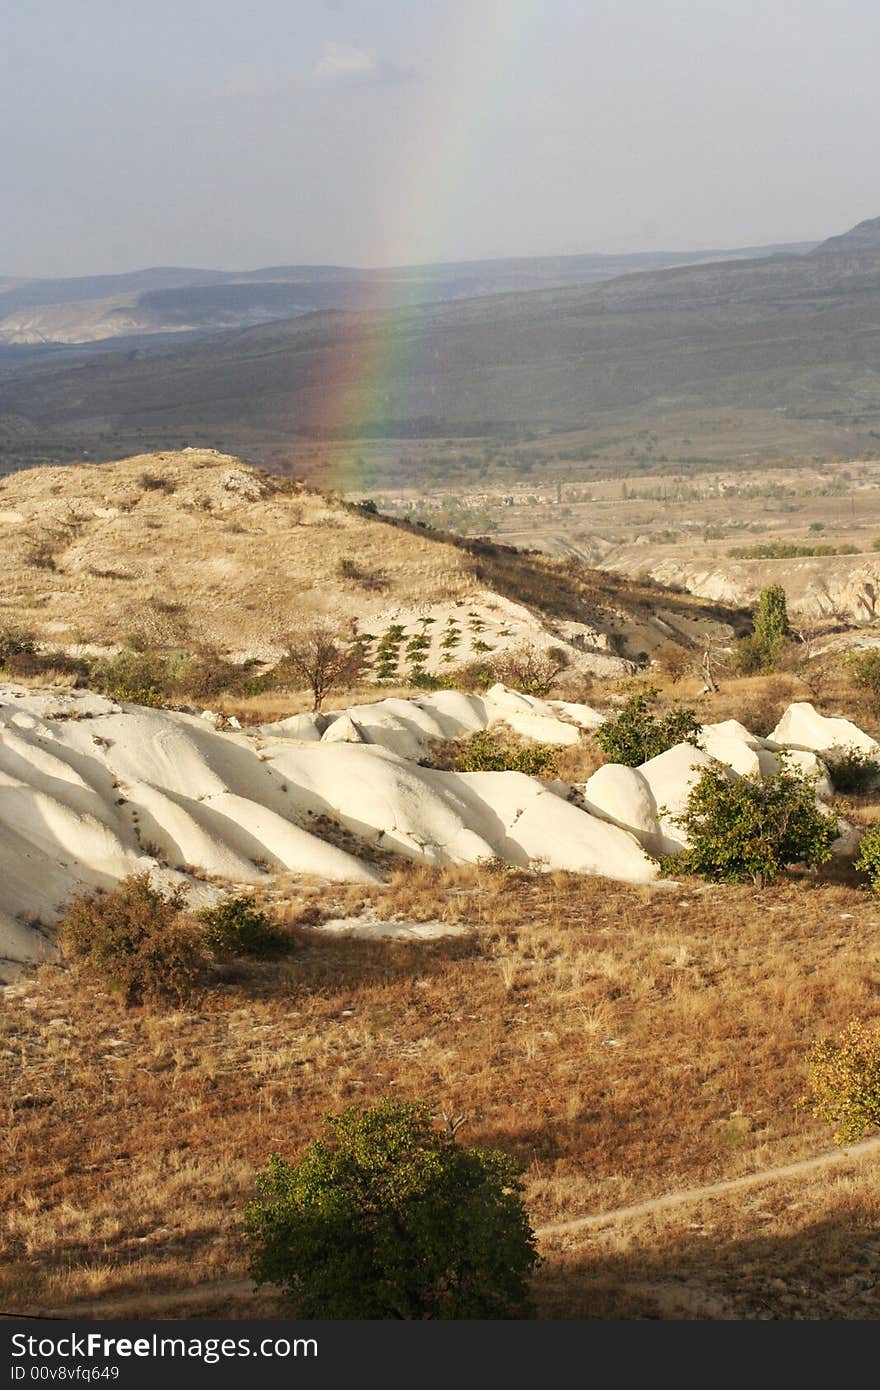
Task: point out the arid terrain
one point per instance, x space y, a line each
720 533
718 361
194 547
622 1042
625 1041
439 679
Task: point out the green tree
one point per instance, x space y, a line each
638 733
384 1216
771 619
844 1078
771 633
864 672
740 828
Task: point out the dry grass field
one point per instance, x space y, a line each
622 1042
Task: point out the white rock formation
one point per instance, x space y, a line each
91 791
670 777
622 796
801 726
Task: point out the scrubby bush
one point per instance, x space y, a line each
844 1080
741 828
237 927
15 643
484 753
318 658
869 856
137 940
385 1216
852 771
133 677
153 482
142 675
673 661
347 569
640 732
529 669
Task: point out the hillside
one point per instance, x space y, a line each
780 352
623 1041
863 237
163 299
194 548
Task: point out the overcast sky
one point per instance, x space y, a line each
374 132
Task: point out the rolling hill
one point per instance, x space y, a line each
174 299
193 549
779 352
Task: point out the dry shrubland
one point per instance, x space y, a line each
622 1042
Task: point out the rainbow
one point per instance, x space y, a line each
355 381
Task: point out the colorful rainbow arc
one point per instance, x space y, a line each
358 381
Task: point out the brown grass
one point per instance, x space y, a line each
159 547
789 1249
621 1041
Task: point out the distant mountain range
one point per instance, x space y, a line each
177 300
731 359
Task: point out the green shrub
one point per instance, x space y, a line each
637 733
484 753
237 927
137 940
864 672
386 1217
749 657
762 651
133 677
784 550
844 1078
852 771
740 828
869 856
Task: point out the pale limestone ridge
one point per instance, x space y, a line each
92 791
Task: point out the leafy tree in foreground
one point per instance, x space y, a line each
386 1217
741 829
637 733
844 1078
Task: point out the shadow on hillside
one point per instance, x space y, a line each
321 963
827 1270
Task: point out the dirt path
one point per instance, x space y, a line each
836 1158
136 1305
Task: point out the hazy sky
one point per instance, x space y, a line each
241 133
